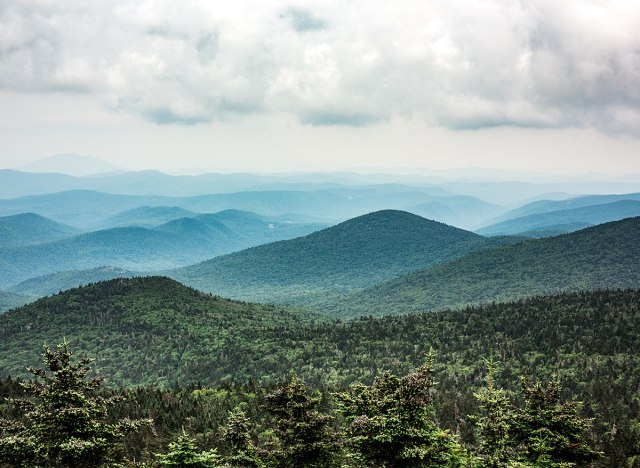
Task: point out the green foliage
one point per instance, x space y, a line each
390 423
602 257
184 454
552 432
494 422
236 434
154 331
65 420
357 253
304 435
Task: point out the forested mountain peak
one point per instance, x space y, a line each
355 253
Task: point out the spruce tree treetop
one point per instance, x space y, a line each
65 418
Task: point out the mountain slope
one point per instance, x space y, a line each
30 228
604 256
145 216
131 248
547 206
176 243
580 217
10 300
354 254
60 281
141 330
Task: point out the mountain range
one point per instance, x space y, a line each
354 254
175 243
603 256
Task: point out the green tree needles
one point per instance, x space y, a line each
64 420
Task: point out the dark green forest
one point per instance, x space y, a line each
603 256
186 359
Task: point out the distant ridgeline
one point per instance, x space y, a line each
155 331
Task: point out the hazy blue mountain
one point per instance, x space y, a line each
30 228
600 257
10 300
145 216
176 243
572 219
553 230
88 208
18 184
354 254
546 206
130 248
460 211
61 281
71 164
79 208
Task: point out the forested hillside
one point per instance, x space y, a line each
357 253
603 256
156 331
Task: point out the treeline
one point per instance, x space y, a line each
61 419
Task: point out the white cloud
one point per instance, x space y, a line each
458 64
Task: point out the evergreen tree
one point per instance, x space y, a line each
65 419
304 434
236 434
494 422
390 422
551 432
184 454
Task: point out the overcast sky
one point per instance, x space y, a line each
319 84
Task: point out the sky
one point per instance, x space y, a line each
268 86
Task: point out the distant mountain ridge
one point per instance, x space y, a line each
178 242
573 219
70 164
599 257
30 228
356 253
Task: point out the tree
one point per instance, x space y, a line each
184 454
304 434
64 418
238 439
551 432
390 422
494 422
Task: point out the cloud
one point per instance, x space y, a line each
456 64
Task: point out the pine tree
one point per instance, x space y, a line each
551 432
65 419
236 434
390 422
183 454
494 422
304 434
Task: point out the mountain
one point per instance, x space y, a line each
63 280
136 329
176 243
461 211
9 300
30 228
356 253
132 248
19 184
155 331
547 206
88 209
603 256
145 216
71 164
571 219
